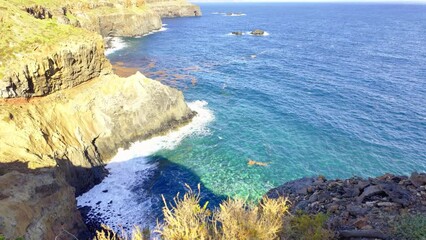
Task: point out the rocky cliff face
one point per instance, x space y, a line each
68 64
174 8
86 125
38 206
64 113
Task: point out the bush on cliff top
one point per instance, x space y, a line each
411 227
234 219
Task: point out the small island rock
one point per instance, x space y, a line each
258 32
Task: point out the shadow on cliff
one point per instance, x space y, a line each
82 179
166 179
48 190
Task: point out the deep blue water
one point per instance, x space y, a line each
334 89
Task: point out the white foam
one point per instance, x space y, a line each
264 34
230 34
235 15
116 43
130 166
162 29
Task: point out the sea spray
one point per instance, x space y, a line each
112 202
115 44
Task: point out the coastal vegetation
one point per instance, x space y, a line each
411 227
187 218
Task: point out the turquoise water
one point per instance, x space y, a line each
334 89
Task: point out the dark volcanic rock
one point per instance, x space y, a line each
358 208
418 179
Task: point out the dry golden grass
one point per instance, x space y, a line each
107 233
234 219
187 219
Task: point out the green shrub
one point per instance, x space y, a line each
411 227
303 226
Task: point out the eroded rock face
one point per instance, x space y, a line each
65 66
38 206
363 208
121 24
174 8
87 124
64 109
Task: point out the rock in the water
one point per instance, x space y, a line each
258 32
237 33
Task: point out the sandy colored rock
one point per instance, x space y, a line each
174 8
38 206
86 125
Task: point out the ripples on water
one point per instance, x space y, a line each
335 89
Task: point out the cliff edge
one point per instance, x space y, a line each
64 113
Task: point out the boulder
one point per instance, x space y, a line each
418 179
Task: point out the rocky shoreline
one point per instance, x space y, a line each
358 208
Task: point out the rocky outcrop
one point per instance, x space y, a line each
361 208
64 114
87 124
67 65
128 23
174 8
38 206
258 32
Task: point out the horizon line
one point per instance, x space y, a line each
313 1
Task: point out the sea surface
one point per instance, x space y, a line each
332 89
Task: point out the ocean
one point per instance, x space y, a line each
337 90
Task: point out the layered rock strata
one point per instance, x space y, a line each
64 114
174 8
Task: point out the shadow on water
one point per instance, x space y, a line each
169 179
141 182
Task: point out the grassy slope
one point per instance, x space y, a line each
22 35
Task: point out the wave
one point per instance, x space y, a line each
247 33
115 44
230 34
162 29
235 15
229 14
112 201
264 34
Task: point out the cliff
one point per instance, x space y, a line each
63 113
174 8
